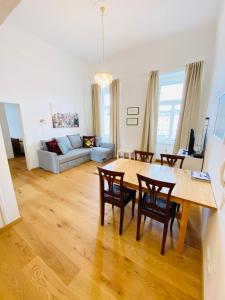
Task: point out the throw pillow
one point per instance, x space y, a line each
53 147
75 141
43 144
88 141
64 140
63 148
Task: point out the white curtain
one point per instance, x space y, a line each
151 114
114 115
96 95
190 105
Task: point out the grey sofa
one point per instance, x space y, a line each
75 156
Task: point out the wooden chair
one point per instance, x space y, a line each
16 147
155 206
172 159
143 156
113 192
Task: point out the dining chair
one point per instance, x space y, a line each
113 192
154 205
143 156
171 159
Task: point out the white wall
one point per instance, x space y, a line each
14 120
213 233
5 132
167 55
36 75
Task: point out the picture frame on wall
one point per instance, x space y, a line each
219 130
62 117
132 111
132 122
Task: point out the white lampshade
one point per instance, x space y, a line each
103 79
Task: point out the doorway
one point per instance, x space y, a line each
13 134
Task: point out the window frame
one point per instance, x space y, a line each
105 91
169 79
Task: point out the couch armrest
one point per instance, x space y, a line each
48 161
107 145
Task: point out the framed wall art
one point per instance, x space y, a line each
63 116
219 129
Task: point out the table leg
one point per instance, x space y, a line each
183 226
99 197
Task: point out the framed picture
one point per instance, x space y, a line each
132 122
219 129
132 111
63 116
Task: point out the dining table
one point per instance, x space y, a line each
187 191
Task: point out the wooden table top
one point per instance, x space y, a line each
186 189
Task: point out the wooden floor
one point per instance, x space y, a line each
59 251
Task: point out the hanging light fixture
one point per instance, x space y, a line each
104 79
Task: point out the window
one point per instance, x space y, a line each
105 114
171 88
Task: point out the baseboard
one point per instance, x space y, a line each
10 225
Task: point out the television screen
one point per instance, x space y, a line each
191 143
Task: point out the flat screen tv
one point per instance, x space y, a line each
191 143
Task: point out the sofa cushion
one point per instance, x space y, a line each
100 152
43 144
53 147
75 141
74 154
97 141
64 140
88 141
64 149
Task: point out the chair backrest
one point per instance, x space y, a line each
153 188
107 181
143 156
172 159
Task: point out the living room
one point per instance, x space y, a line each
48 67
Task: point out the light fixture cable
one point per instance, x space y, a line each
102 8
103 78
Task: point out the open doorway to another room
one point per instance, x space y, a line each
12 130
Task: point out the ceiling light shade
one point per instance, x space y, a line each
103 79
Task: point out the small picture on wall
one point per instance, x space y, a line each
132 111
132 122
65 120
219 130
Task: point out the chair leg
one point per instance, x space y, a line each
145 218
133 207
138 227
172 219
112 206
121 220
164 238
102 213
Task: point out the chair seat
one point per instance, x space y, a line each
128 193
160 202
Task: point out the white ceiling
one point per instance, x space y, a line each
74 25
